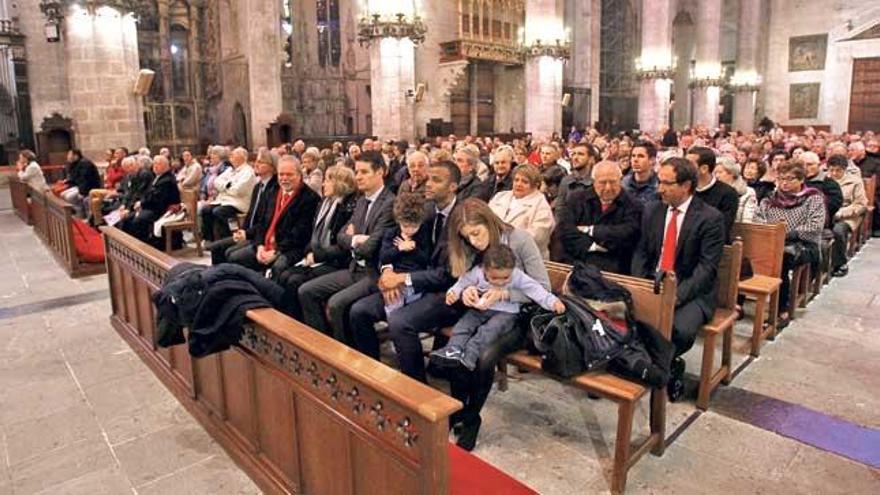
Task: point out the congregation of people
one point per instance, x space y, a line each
374 241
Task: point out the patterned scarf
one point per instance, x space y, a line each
779 199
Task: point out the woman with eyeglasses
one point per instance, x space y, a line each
803 211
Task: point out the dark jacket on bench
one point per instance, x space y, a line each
615 231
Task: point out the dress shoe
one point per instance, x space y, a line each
840 272
467 436
675 386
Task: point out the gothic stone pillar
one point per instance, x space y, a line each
392 73
749 33
543 74
264 66
102 63
707 98
654 92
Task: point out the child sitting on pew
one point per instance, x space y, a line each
407 247
490 318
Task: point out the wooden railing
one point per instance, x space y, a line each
52 218
18 191
298 411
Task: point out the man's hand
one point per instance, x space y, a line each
558 307
391 279
391 296
350 229
451 298
239 235
471 297
266 256
359 239
309 260
137 206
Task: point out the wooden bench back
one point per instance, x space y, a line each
38 213
728 275
870 189
762 244
189 197
299 411
654 309
60 240
18 192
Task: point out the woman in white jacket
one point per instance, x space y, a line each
729 172
29 170
234 188
525 207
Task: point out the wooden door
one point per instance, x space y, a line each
864 107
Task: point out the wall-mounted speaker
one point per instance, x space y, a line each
566 99
420 91
143 82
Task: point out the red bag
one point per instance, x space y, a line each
87 242
59 187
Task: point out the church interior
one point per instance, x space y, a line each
439 246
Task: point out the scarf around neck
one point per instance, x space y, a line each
779 199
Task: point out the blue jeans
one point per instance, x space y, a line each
477 330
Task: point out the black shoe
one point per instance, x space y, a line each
675 386
467 436
840 272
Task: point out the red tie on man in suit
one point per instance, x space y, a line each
667 261
281 203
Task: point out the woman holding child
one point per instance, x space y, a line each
476 233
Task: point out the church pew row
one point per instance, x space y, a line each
298 411
52 219
18 191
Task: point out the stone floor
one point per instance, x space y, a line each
79 413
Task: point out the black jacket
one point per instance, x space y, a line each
762 188
374 225
493 186
436 278
406 261
869 165
723 198
331 252
832 193
161 194
212 302
132 187
697 254
471 187
295 225
616 230
84 175
258 210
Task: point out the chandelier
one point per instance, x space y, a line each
398 26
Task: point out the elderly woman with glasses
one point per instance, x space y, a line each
803 211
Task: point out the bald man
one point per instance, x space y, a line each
600 225
161 194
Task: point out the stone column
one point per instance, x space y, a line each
543 74
654 93
264 66
392 73
749 33
102 63
579 17
707 99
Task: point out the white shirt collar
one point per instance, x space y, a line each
371 198
446 211
683 208
707 186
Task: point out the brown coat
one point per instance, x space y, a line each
855 202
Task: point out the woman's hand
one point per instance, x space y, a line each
558 307
451 298
471 297
491 297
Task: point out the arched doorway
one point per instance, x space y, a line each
55 138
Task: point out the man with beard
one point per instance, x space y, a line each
583 157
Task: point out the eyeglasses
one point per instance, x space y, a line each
667 183
788 178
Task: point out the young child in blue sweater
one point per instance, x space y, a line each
485 322
407 247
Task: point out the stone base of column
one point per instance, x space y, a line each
706 101
744 111
543 115
654 97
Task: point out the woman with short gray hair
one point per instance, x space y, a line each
729 172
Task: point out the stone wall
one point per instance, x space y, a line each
439 78
841 21
509 89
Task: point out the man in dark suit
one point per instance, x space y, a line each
502 178
601 224
685 235
161 194
265 190
362 237
428 312
282 234
713 192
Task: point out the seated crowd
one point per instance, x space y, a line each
380 240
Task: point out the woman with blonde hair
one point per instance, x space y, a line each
525 207
473 229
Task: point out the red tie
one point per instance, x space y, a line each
667 262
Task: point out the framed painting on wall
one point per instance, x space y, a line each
807 52
803 101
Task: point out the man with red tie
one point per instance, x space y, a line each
684 235
283 236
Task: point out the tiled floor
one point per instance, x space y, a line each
79 413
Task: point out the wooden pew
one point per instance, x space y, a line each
18 191
190 199
650 308
721 324
762 246
298 411
53 223
870 193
